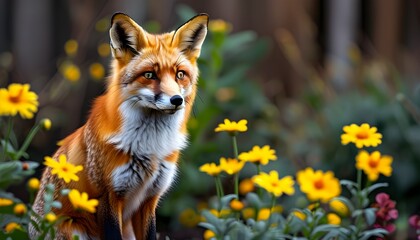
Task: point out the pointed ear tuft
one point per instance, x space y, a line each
190 36
126 36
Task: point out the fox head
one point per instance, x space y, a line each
156 72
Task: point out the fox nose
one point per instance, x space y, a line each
176 100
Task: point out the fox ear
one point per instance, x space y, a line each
190 36
127 37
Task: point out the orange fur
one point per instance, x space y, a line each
148 73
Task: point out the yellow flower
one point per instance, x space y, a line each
189 218
248 213
231 166
339 207
211 169
50 217
236 205
104 49
71 72
96 71
20 209
219 25
12 226
220 214
277 209
18 99
374 164
4 202
70 47
80 201
63 169
246 186
259 155
263 214
272 184
362 135
299 215
208 234
46 123
232 126
333 219
318 185
313 206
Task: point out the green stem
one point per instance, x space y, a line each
236 155
359 179
28 140
273 202
235 147
237 184
359 188
6 139
259 189
368 183
32 196
217 188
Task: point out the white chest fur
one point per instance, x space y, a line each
148 137
149 133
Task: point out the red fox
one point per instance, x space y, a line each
131 142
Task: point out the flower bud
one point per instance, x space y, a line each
50 217
236 205
33 184
20 209
46 123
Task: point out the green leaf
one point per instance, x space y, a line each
208 226
10 149
324 228
230 225
227 199
377 232
56 204
374 187
253 200
370 216
13 172
349 184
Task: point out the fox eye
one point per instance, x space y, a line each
180 75
149 75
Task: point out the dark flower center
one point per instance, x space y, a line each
16 99
362 134
319 184
373 163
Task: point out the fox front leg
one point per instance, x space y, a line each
109 219
144 219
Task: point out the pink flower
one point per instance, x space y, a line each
386 207
389 227
386 212
414 221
